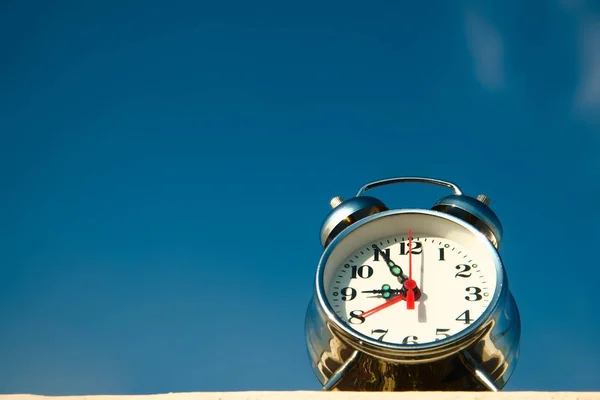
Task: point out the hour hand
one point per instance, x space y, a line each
386 291
394 268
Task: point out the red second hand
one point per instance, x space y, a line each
382 306
410 284
410 254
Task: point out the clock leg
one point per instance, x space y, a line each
478 371
339 373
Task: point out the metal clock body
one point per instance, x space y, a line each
412 299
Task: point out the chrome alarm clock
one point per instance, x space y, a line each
412 299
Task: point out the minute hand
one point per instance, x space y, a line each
394 268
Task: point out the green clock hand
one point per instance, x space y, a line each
394 268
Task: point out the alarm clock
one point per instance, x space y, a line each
412 299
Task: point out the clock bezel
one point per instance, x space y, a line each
425 350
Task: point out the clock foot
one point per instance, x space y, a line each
478 371
339 373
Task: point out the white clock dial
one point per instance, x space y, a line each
456 278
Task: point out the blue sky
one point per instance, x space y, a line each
165 168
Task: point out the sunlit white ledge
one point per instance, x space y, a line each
310 395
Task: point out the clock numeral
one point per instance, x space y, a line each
442 332
417 248
442 254
476 293
383 332
376 251
355 317
364 271
467 317
463 271
410 340
348 293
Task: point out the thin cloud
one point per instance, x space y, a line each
571 4
487 50
588 92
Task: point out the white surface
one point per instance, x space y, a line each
306 395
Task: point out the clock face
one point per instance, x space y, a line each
369 275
